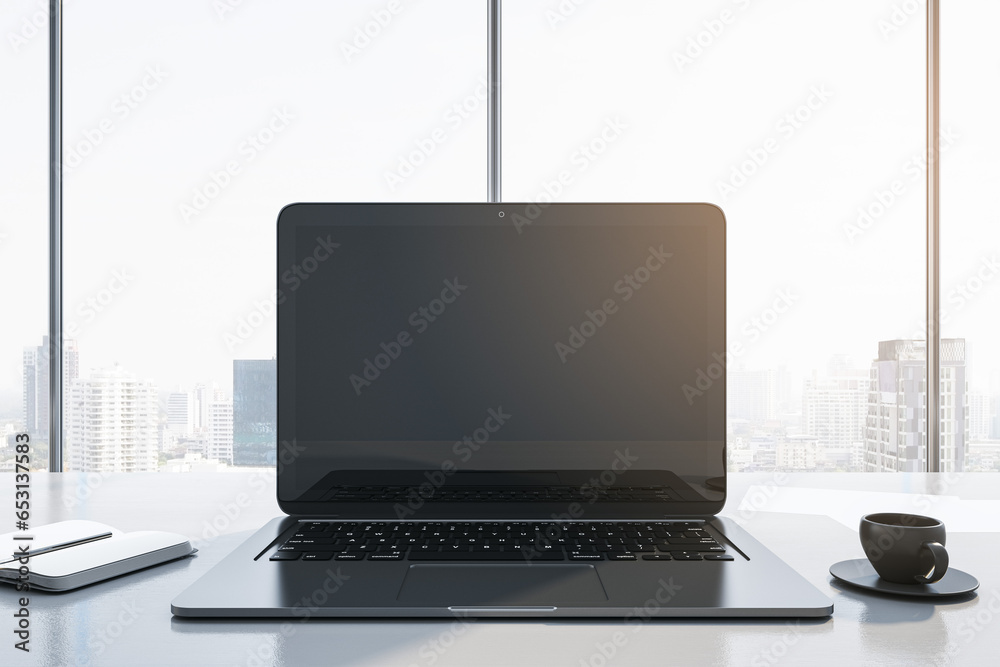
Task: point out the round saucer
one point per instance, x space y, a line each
859 572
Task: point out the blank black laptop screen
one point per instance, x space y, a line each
500 337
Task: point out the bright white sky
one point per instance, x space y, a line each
331 122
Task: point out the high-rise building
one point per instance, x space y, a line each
797 452
994 390
181 412
786 392
834 412
112 423
896 423
752 395
981 415
220 431
255 412
35 384
31 399
203 395
995 422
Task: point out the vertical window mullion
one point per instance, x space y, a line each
933 314
55 347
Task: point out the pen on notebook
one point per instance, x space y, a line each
63 545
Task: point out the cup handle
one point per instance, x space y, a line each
940 563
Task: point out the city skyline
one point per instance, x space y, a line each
139 277
838 418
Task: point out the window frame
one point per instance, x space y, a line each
55 269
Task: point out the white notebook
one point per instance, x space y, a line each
63 568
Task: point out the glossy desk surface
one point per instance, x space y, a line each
810 520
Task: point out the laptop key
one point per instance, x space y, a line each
715 546
585 555
717 557
317 547
485 556
286 555
350 555
617 555
686 555
317 555
657 557
386 555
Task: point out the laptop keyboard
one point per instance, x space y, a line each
555 494
501 541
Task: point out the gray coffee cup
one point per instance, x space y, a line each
905 548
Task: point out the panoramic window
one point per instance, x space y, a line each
814 152
24 383
185 134
970 236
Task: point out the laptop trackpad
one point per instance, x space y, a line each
509 584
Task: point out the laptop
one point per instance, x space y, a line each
501 410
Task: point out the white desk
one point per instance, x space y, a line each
802 517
